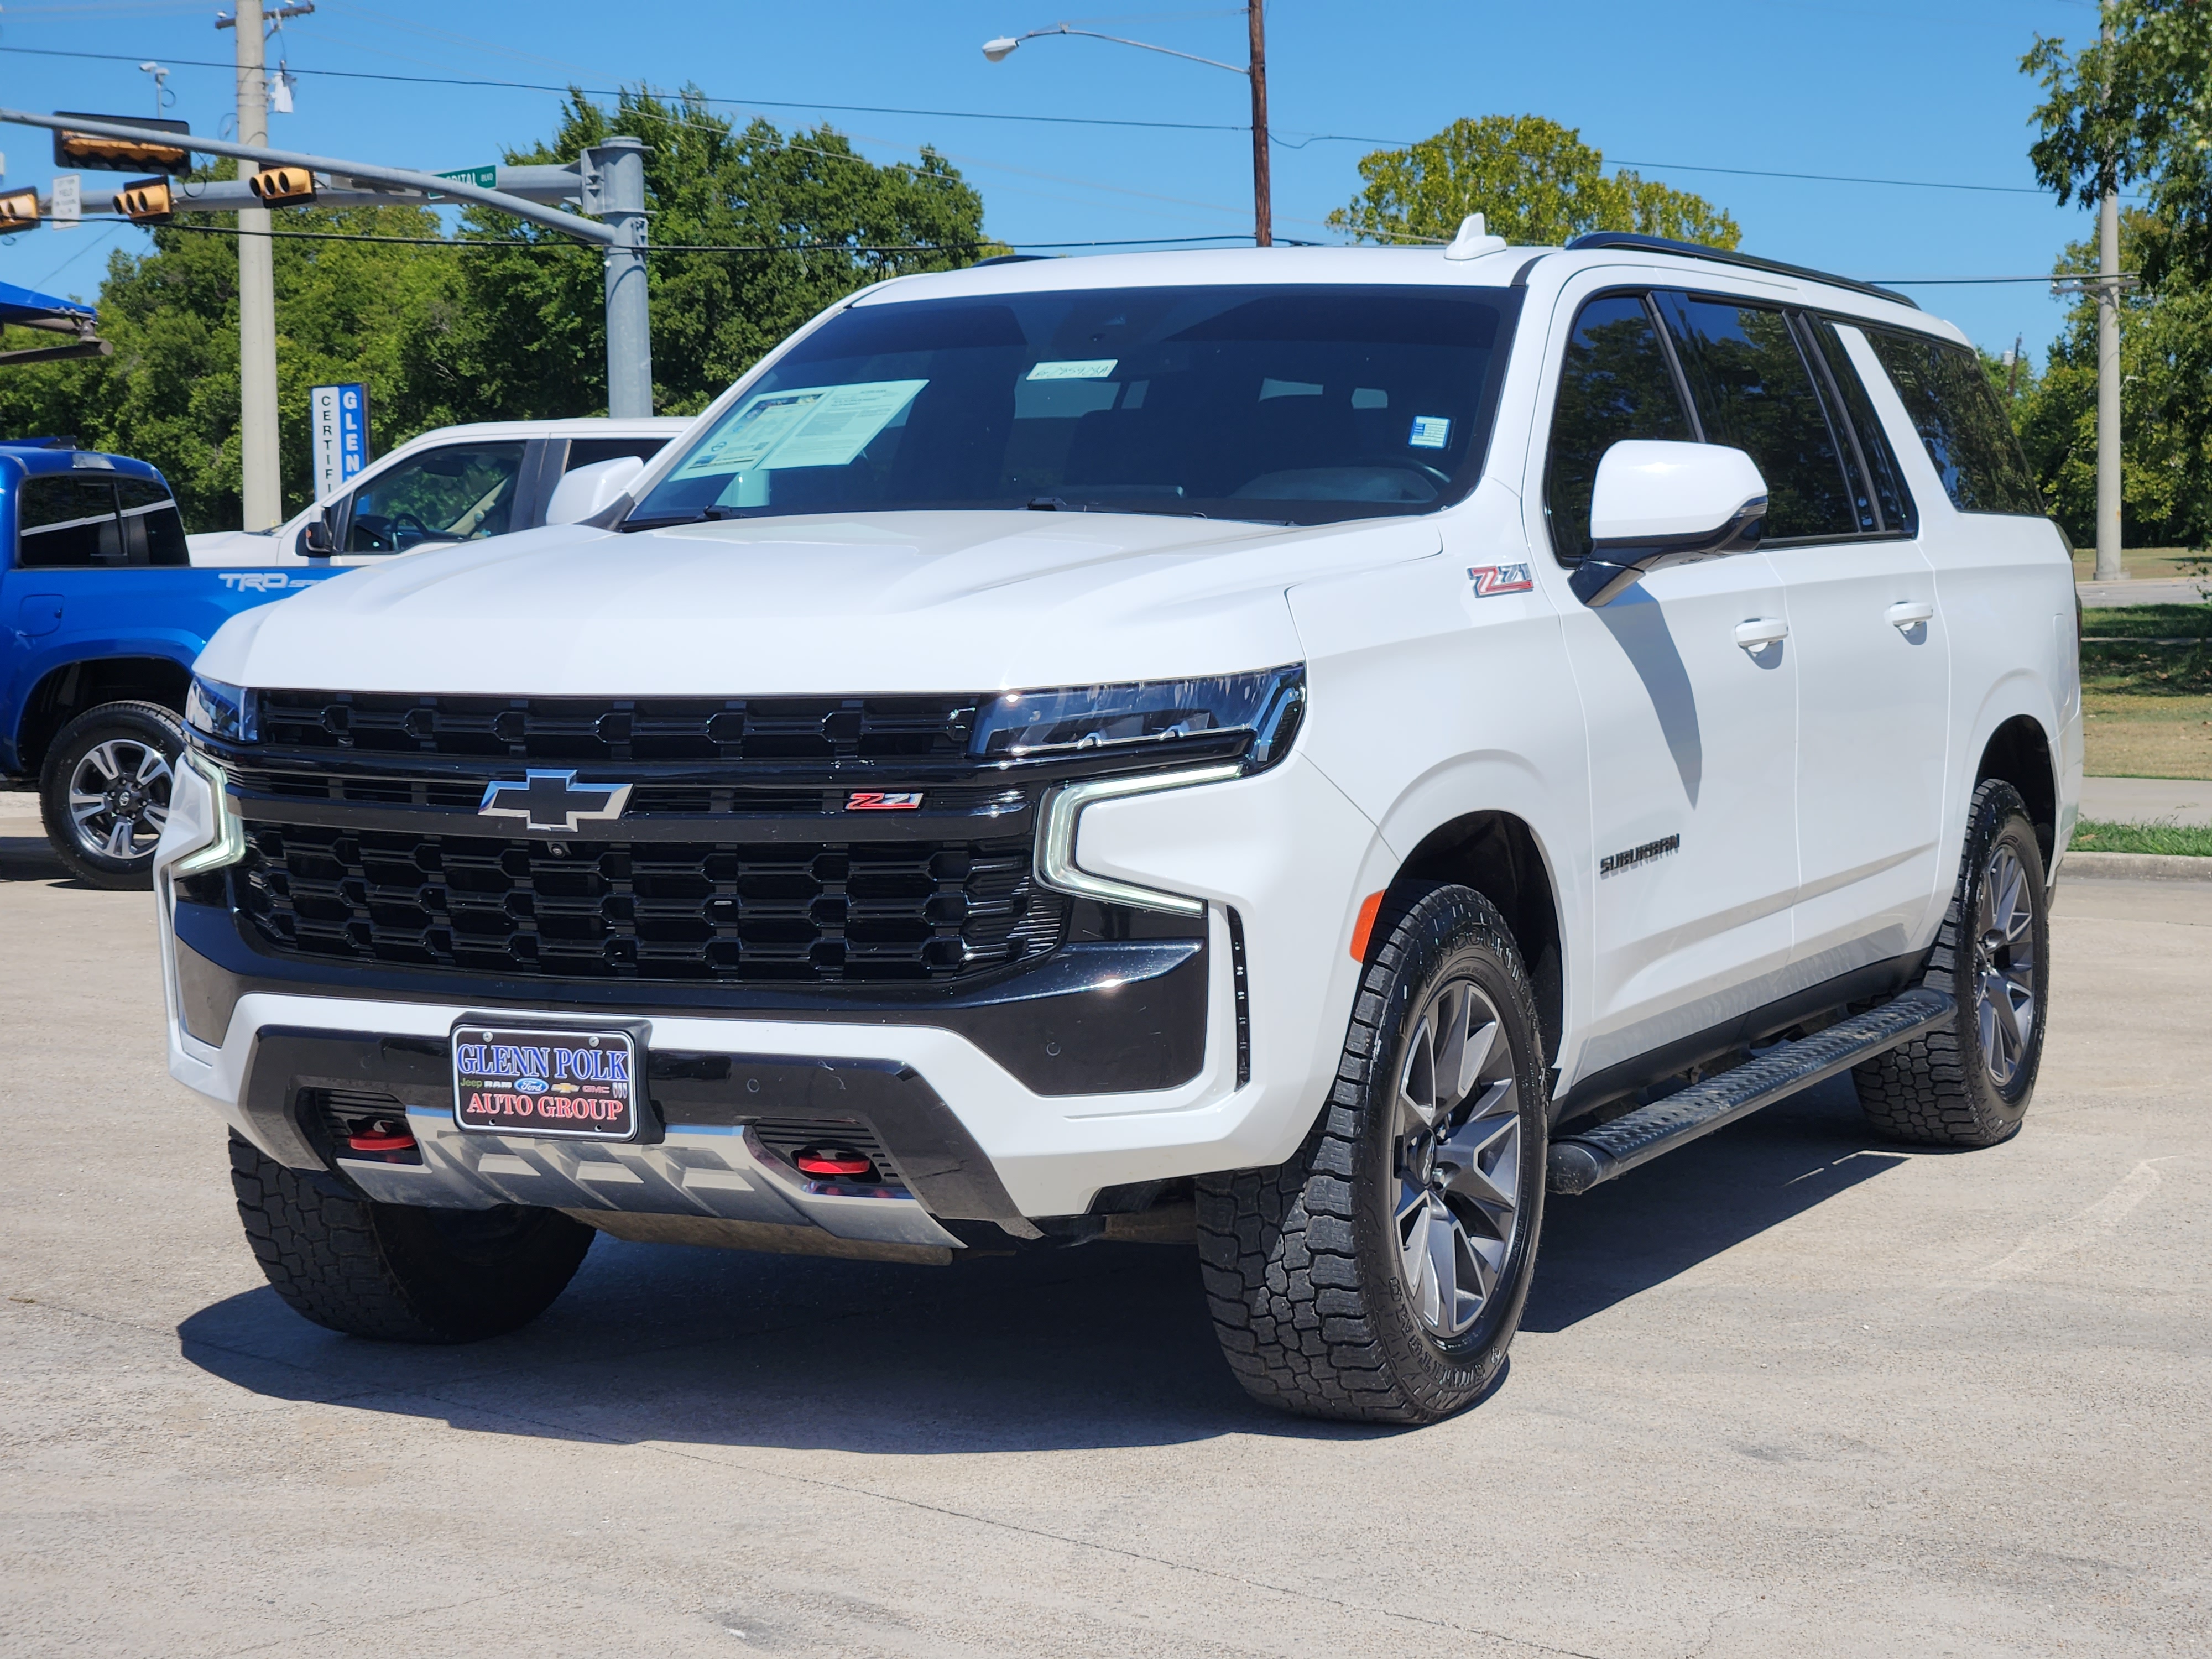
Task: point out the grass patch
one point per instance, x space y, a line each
2137 736
2152 670
2146 563
2185 840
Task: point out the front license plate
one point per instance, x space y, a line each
532 1080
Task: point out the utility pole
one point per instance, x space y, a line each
1263 216
260 486
2109 566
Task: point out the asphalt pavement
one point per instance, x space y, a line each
1792 1390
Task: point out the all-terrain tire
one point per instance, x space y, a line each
396 1273
1300 1260
131 731
1939 1089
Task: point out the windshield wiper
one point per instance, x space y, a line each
663 520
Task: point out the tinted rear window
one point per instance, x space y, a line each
1949 398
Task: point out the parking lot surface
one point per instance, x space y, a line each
1792 1390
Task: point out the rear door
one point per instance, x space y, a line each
1872 653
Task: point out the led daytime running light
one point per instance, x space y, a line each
1062 812
228 846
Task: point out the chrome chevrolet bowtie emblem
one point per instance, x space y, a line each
553 800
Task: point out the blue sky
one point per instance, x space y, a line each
1889 91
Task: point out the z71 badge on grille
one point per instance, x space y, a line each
879 800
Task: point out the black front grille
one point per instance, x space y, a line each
583 729
809 912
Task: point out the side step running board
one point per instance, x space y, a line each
1580 1162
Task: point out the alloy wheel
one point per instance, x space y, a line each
1456 1159
2004 965
119 798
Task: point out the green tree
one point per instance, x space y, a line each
533 328
1534 180
169 392
2165 356
472 328
2134 113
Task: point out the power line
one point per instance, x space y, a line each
1050 120
541 245
615 91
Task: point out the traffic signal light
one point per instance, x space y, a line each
19 210
145 202
283 186
82 149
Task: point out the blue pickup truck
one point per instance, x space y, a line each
101 614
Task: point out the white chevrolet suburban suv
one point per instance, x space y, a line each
1301 749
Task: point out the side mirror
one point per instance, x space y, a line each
1656 504
590 490
315 540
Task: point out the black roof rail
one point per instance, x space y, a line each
1627 239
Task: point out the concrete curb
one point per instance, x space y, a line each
2134 867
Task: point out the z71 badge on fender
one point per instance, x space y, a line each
1489 578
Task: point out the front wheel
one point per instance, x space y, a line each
1379 1275
104 792
1968 1082
396 1272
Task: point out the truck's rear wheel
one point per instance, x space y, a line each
1968 1082
104 791
1379 1275
396 1273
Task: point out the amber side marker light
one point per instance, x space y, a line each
1360 929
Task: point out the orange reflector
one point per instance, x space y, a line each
1364 926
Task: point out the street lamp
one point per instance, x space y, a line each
999 49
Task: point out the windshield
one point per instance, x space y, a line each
1304 405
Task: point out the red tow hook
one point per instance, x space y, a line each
380 1138
839 1162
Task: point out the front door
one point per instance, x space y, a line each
1689 689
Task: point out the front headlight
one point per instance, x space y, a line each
1147 714
224 712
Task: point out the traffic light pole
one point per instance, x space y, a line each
618 166
611 181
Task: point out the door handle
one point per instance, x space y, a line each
1760 632
1909 613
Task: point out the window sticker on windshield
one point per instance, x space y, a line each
808 426
1430 431
1075 368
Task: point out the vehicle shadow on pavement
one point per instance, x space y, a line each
29 858
1107 1345
1652 1224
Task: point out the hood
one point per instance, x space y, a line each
866 604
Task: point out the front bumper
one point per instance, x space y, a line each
1284 850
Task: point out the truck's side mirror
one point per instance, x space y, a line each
1655 504
315 539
